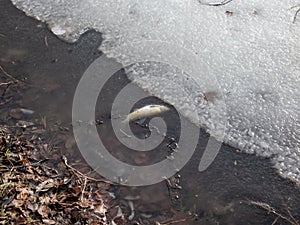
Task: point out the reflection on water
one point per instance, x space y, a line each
50 71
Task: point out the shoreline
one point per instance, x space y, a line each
46 66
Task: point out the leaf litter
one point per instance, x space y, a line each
35 192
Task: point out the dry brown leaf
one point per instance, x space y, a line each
23 194
46 221
45 185
33 207
44 210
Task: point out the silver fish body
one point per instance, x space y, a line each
146 111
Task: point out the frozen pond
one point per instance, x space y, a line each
223 193
246 53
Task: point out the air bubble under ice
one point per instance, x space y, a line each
252 51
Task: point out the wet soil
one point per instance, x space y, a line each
236 189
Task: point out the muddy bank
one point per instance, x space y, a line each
236 189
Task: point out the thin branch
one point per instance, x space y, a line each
6 88
168 222
270 209
8 75
78 173
295 6
291 216
6 101
46 41
6 83
216 4
296 13
83 189
295 16
275 221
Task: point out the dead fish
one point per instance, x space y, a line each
146 111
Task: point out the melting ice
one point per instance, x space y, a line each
247 53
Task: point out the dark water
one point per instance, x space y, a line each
222 194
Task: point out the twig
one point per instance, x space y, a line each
270 209
83 189
123 132
296 13
216 4
174 221
275 221
6 88
7 101
7 83
291 216
8 75
46 40
31 164
44 122
78 173
295 16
